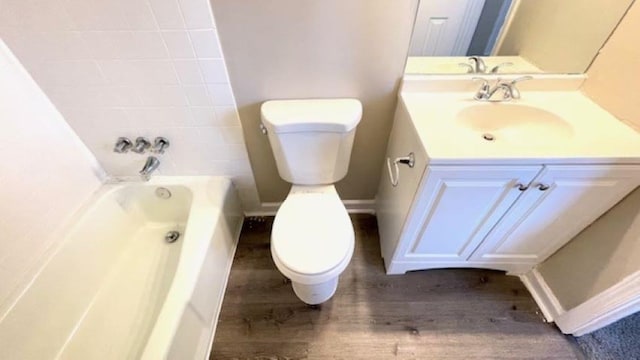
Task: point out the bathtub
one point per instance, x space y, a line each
119 287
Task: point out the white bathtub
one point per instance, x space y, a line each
115 289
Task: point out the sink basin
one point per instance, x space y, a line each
560 126
514 123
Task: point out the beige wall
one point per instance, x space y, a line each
614 78
561 36
609 249
280 49
599 257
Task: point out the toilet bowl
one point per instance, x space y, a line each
312 238
312 241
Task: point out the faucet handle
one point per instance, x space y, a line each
468 66
495 69
514 92
485 82
485 88
160 144
521 78
123 145
142 144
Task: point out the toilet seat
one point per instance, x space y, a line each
312 238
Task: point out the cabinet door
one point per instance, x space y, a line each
560 203
457 206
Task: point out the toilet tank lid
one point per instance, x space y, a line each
322 115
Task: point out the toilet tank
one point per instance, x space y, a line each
311 139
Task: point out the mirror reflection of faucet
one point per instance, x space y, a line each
478 66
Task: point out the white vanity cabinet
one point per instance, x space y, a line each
560 202
456 208
504 217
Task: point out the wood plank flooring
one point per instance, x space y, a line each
435 314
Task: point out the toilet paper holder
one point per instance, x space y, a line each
394 174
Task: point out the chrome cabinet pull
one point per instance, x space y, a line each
394 175
522 187
543 187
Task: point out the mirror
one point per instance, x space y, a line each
511 36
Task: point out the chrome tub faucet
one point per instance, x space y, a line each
141 146
150 166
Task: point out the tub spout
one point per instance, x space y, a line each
150 166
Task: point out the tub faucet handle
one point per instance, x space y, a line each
142 144
123 145
160 144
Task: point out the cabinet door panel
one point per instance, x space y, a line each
457 207
540 222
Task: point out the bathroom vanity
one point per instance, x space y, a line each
498 185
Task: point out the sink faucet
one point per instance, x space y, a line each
477 65
509 89
150 166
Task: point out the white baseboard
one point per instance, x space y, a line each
609 306
353 207
360 206
266 209
542 294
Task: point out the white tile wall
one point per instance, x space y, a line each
136 67
46 173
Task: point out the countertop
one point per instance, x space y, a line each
594 136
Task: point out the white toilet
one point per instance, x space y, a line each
312 239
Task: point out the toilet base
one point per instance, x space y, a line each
317 293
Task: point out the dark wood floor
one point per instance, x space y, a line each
435 314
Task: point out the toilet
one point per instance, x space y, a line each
312 238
